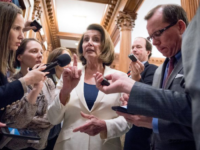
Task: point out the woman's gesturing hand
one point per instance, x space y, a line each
93 126
71 77
119 83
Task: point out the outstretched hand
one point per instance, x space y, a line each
36 75
137 120
119 83
2 125
124 99
28 26
136 69
71 77
93 125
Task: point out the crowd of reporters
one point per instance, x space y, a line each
68 105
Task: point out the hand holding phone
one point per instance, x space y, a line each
132 57
37 25
105 82
20 133
122 109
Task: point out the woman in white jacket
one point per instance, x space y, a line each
89 122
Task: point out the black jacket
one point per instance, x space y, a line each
138 138
9 92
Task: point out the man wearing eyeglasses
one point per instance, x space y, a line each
167 101
166 25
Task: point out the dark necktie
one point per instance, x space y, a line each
171 67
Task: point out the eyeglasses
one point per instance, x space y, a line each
158 33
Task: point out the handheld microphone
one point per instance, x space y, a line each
62 61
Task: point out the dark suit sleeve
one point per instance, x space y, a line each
147 75
191 62
10 92
165 104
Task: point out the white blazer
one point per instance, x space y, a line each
70 114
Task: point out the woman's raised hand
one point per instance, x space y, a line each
71 77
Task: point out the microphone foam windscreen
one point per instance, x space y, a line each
63 60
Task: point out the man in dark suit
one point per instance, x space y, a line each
191 62
167 101
138 138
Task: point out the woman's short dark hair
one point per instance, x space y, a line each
21 49
171 13
107 47
8 14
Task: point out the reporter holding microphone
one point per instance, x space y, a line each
12 26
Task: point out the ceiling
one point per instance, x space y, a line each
68 19
72 17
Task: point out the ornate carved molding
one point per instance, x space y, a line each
109 12
156 61
125 21
52 23
69 36
115 36
49 47
99 1
37 10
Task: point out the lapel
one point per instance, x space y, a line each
101 95
80 90
157 78
145 66
175 71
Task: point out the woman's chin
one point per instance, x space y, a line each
13 48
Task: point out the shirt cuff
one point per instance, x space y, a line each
23 84
103 135
155 125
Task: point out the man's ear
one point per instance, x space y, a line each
148 53
181 26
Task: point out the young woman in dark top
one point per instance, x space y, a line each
12 27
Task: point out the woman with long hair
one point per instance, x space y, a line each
30 112
12 27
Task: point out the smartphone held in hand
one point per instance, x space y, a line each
37 25
122 109
20 133
105 82
132 57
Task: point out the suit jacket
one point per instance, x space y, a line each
9 92
138 138
70 114
191 62
172 106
